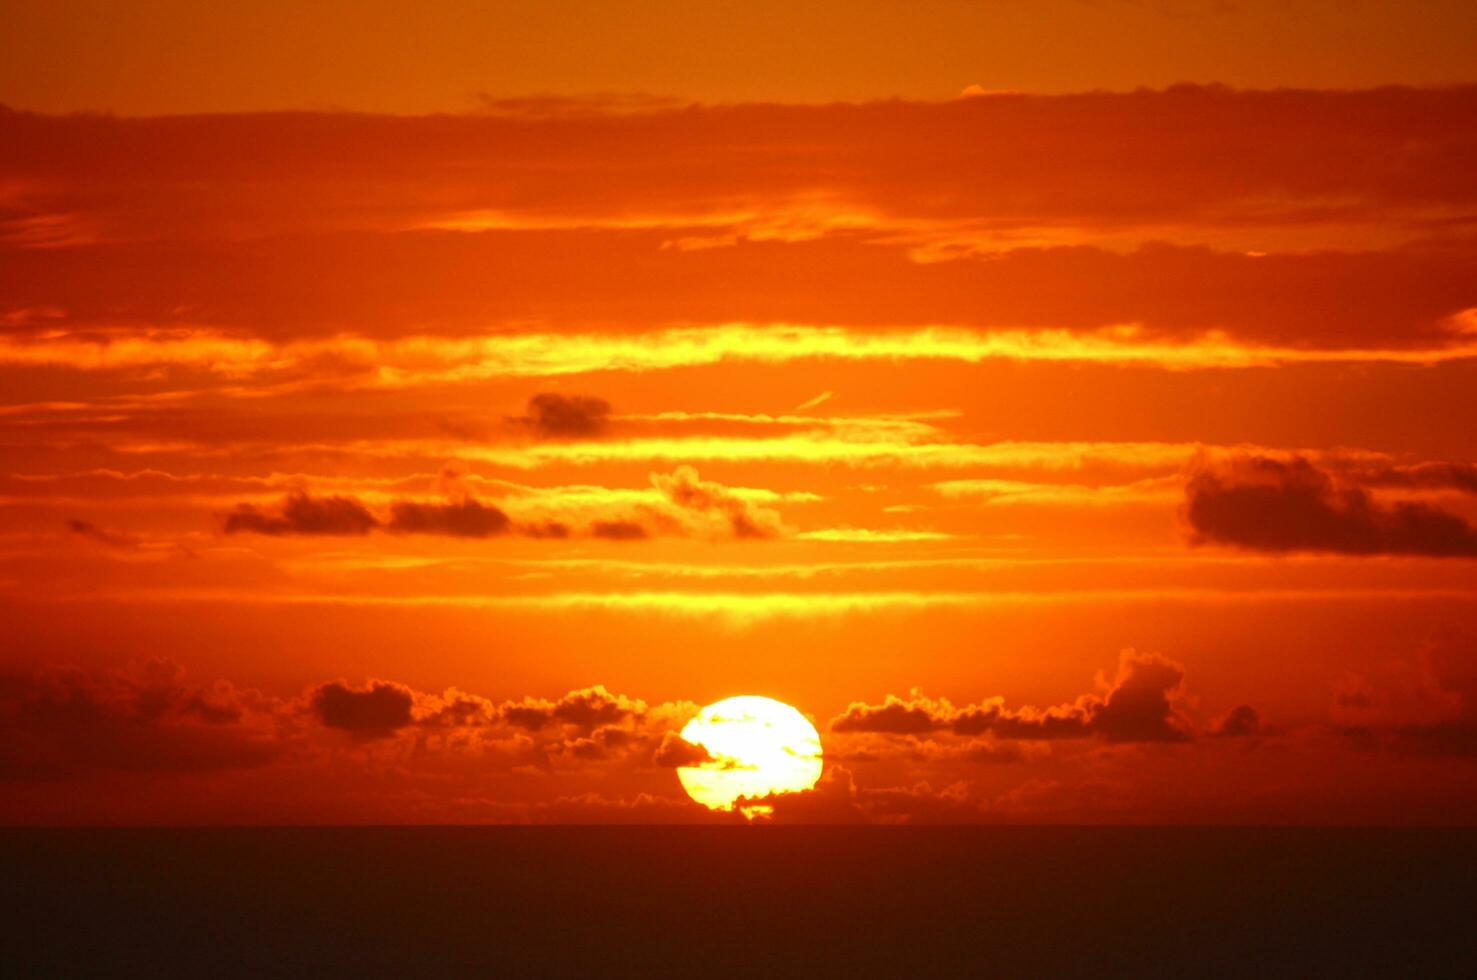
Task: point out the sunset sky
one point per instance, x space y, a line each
417 414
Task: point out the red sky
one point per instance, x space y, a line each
393 430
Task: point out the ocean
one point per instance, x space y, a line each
740 901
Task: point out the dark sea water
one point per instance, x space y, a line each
751 902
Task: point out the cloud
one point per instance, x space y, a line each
462 515
599 745
995 492
377 711
109 539
1425 704
555 416
72 736
837 799
1434 475
1240 721
1263 504
833 800
595 706
675 752
1096 158
744 519
682 504
1177 305
460 225
451 482
586 727
300 513
131 745
1450 654
1137 705
618 530
814 402
915 715
62 722
584 709
463 519
455 709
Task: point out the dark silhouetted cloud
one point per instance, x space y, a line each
1137 706
676 751
377 711
462 515
915 715
301 514
585 709
463 519
1265 504
554 416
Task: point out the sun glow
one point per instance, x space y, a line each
759 747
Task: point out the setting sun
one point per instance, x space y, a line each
759 747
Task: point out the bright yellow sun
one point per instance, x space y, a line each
759 746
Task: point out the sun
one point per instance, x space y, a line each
759 746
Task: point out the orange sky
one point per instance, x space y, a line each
1065 455
169 56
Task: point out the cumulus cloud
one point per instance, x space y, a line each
1276 505
300 513
1138 705
376 711
589 726
584 709
676 751
833 800
554 416
455 709
914 715
586 726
